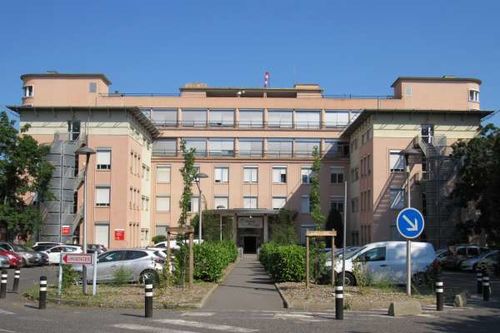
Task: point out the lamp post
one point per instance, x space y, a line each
200 216
407 153
87 151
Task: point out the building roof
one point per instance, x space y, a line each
368 112
51 75
134 111
252 92
445 78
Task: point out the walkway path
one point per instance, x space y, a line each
247 287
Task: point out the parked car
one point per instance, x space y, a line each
29 257
99 248
386 261
55 252
43 246
173 244
471 263
4 262
490 262
142 264
15 260
459 253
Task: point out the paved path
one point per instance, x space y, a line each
247 287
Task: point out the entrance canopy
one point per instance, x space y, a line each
255 212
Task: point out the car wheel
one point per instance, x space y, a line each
148 275
349 279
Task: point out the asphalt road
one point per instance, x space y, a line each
17 315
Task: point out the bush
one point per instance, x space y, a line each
121 276
285 263
210 260
159 238
69 277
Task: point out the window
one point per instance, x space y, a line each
28 91
199 145
396 161
473 96
103 157
194 204
355 205
194 118
278 202
165 147
221 175
397 198
251 118
131 255
336 118
354 115
102 234
250 174
221 147
74 129
280 147
102 196
221 202
305 205
163 174
307 119
162 203
337 204
304 147
306 174
376 254
280 118
92 87
221 118
251 147
161 229
164 117
249 202
336 175
279 175
112 256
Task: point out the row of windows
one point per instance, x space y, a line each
251 118
103 162
253 147
251 174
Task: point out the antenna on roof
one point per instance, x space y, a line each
266 80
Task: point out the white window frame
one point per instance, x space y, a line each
167 169
396 161
28 91
194 204
278 202
473 95
103 158
250 174
166 204
221 201
221 175
250 202
307 173
102 196
278 174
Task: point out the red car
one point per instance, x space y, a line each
15 260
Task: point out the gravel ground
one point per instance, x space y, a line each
321 297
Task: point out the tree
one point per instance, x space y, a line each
188 173
478 181
282 229
314 196
334 221
24 171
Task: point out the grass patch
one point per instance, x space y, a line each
126 296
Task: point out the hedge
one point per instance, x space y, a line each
285 263
210 259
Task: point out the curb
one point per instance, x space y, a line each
286 303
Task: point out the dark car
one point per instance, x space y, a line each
29 257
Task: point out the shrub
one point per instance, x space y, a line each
210 260
121 276
159 238
285 263
69 277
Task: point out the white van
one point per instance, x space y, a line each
386 261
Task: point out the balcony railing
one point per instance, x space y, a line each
249 124
253 154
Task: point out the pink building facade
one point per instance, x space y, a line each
255 145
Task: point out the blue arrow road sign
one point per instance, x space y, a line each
410 223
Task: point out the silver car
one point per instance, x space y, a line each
140 264
4 262
30 257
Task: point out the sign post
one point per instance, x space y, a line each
94 282
410 224
83 259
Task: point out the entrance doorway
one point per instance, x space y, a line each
249 244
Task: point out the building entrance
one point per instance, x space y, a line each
249 244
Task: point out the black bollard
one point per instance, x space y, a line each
42 298
148 299
479 278
17 276
439 294
486 286
339 302
3 284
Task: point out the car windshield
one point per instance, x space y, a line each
351 254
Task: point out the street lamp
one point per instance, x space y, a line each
197 179
407 153
86 151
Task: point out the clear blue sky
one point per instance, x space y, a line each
354 46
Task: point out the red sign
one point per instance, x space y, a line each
119 234
66 230
81 259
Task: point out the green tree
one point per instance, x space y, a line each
314 196
282 228
188 173
24 171
479 181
